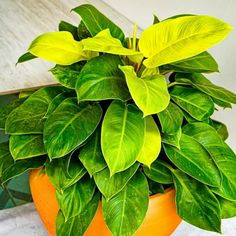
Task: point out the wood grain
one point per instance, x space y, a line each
21 21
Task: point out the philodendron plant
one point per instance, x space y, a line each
130 118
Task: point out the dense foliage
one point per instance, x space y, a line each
130 118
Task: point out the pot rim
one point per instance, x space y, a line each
159 195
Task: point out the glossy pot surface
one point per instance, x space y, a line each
161 218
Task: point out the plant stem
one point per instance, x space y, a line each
175 83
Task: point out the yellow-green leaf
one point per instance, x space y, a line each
152 143
60 48
176 39
104 42
149 93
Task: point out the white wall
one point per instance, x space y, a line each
140 11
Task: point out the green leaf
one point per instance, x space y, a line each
57 170
199 105
28 117
77 225
95 21
125 212
91 154
152 143
194 160
26 146
19 167
60 48
67 75
221 103
155 187
196 204
222 155
6 110
110 186
206 86
149 93
171 119
56 102
221 129
25 57
6 159
26 93
101 79
104 42
183 37
83 31
172 140
201 63
159 172
155 19
66 26
122 136
74 199
228 208
69 126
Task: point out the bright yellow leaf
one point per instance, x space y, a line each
104 42
152 143
176 39
60 48
149 93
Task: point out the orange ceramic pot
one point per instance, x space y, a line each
161 218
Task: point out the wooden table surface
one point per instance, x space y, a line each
21 21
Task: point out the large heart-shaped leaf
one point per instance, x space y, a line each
196 204
159 172
101 79
104 42
201 63
60 48
176 39
125 212
194 160
149 93
28 117
26 146
171 119
6 110
77 225
73 200
221 153
64 172
206 86
91 154
6 159
199 105
152 143
123 131
69 126
67 75
95 21
108 185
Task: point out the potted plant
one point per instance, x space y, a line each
126 141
